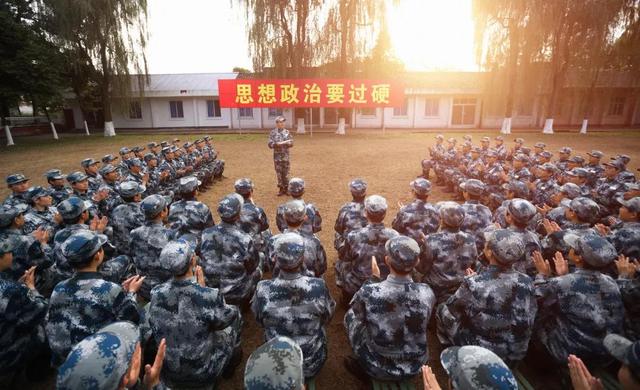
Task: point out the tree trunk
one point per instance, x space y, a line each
109 130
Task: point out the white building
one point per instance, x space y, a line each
432 100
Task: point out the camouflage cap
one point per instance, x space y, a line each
100 360
617 164
632 204
622 157
499 138
421 186
230 206
137 149
473 367
492 153
6 245
577 159
519 140
296 186
9 212
187 145
596 154
199 141
546 154
188 184
565 150
106 169
526 151
72 207
134 162
519 188
152 205
109 158
467 144
275 365
521 210
280 118
624 350
54 174
473 187
164 144
440 137
150 156
571 190
176 256
403 253
152 145
375 204
34 193
124 150
358 187
585 208
288 250
82 246
294 212
452 214
627 177
167 150
77 177
540 145
506 245
87 162
243 186
208 138
548 167
467 137
485 139
595 250
476 149
578 172
452 140
16 178
129 189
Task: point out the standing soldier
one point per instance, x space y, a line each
280 141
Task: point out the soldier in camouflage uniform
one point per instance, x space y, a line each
418 218
435 153
473 367
351 215
315 258
496 308
275 365
156 177
353 267
201 330
127 216
519 214
477 216
253 219
136 172
280 141
211 156
545 185
59 191
189 216
294 305
18 184
147 241
625 235
576 310
313 223
90 167
22 322
387 321
609 187
125 155
41 213
81 305
500 148
563 158
229 258
447 254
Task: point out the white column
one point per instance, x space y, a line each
53 130
86 128
109 130
341 126
7 133
300 126
583 129
548 126
196 122
506 126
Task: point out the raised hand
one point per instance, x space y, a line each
200 276
469 272
542 265
41 235
375 271
626 269
152 372
581 378
429 381
29 278
562 266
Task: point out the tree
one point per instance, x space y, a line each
113 36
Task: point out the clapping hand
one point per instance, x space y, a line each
550 226
375 270
469 272
562 266
152 372
200 276
29 277
429 381
581 378
542 265
626 268
133 284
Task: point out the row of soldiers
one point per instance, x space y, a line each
483 274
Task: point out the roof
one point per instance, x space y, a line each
183 84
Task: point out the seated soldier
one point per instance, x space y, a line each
22 340
351 215
477 217
253 219
81 305
447 254
387 321
294 305
313 224
520 213
628 354
577 310
495 308
18 184
276 364
315 258
110 359
202 331
127 216
189 216
229 258
42 213
59 191
418 218
353 267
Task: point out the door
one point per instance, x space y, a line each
69 120
463 112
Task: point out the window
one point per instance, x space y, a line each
431 107
616 105
274 112
213 108
367 111
245 112
401 111
135 110
175 106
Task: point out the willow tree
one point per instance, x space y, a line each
113 34
500 27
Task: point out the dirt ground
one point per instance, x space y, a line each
327 162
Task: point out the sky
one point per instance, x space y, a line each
198 36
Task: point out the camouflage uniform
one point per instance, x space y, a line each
577 310
313 223
253 219
281 155
294 305
418 218
201 330
15 199
46 219
58 193
101 360
126 217
275 365
435 153
387 321
190 217
473 367
351 215
477 216
494 309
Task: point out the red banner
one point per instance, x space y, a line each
284 93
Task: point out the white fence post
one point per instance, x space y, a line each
86 128
341 126
7 132
300 129
53 130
